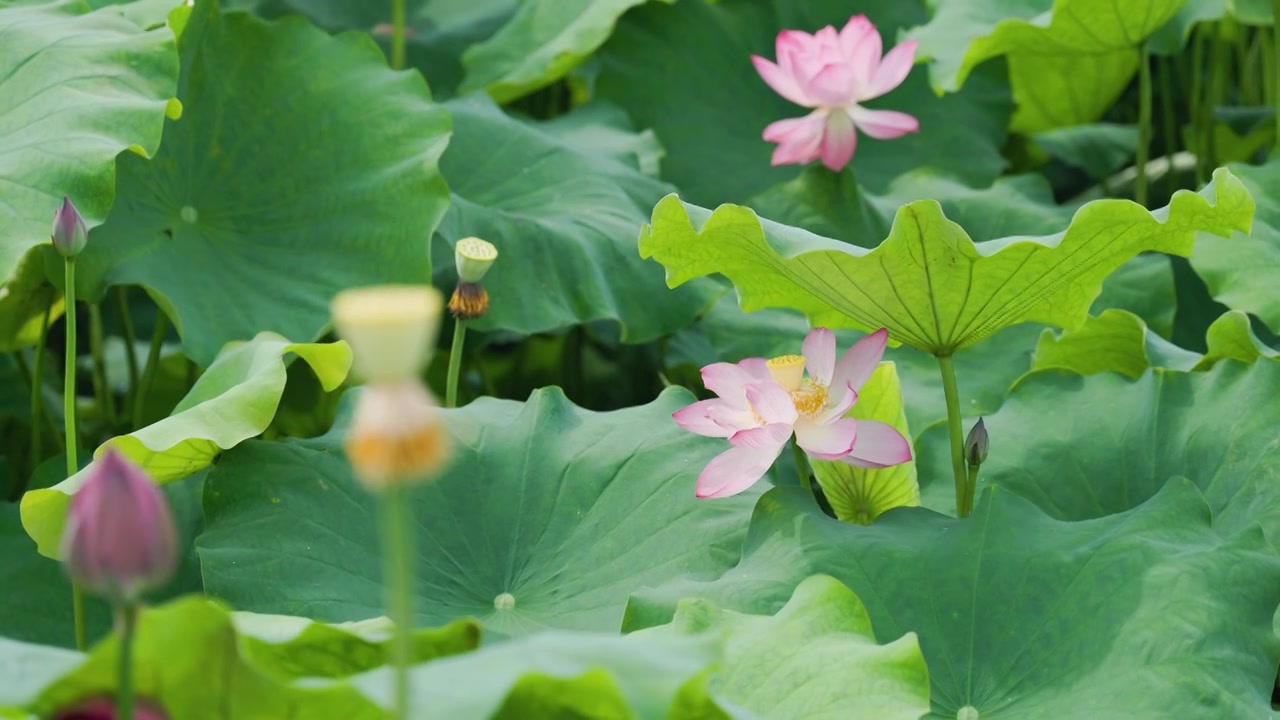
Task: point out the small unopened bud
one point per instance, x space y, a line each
397 435
119 541
473 258
391 329
975 446
69 234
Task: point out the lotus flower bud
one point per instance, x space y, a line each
391 329
69 233
119 540
473 258
975 446
397 435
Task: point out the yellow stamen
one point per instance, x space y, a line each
810 399
787 371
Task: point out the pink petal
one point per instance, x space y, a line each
698 418
878 445
771 402
729 381
833 85
739 467
781 81
855 32
829 441
838 141
847 400
861 45
798 138
820 354
895 68
860 360
884 124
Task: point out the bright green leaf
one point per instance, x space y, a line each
24 302
253 214
1231 337
1067 63
1115 340
549 516
860 495
232 401
562 219
928 283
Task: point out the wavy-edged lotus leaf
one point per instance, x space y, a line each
668 63
549 516
71 107
1115 340
1152 609
296 647
1231 337
24 301
860 495
541 43
1068 59
562 674
928 282
817 657
1243 271
234 400
188 659
250 199
1172 38
563 220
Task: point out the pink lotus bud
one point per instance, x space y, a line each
69 233
120 539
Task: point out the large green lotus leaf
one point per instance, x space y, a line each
1068 59
79 89
306 171
540 44
1172 38
1114 340
563 220
928 283
188 659
563 674
1231 337
234 400
548 517
860 495
1151 611
1145 287
684 70
816 658
1099 149
296 647
1124 439
600 128
1243 272
23 303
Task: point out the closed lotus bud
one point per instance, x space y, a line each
975 446
69 233
391 329
119 541
397 435
473 258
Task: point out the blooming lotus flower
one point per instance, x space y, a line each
120 539
834 72
761 403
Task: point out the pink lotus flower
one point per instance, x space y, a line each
761 403
834 72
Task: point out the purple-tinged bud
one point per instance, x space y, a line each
975 446
104 708
69 233
120 540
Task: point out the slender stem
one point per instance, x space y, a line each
802 467
397 555
1170 121
1275 74
397 34
101 390
970 489
1217 96
127 619
130 339
455 363
956 427
1144 125
149 371
1196 101
37 393
69 425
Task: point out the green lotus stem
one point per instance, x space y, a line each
126 329
69 425
397 34
127 618
1275 60
1169 121
455 363
1196 100
148 371
964 493
1144 125
802 467
100 389
970 489
1217 96
397 573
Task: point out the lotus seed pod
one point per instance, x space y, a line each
473 258
391 329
